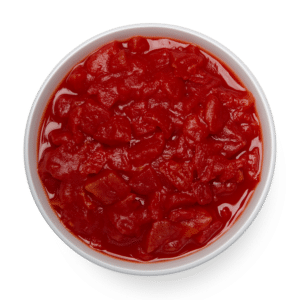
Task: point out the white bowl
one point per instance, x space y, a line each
269 143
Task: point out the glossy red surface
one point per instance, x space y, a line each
149 149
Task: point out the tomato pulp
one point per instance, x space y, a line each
149 149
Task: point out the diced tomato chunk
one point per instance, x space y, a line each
98 62
195 128
147 150
128 215
118 160
159 59
182 149
193 219
108 187
160 117
51 183
175 245
179 174
145 183
202 192
138 44
223 188
179 199
95 158
92 116
232 139
214 166
232 168
209 232
114 132
186 64
160 233
215 114
156 206
136 109
69 192
173 87
74 124
78 79
62 164
141 126
64 103
253 165
107 94
120 61
59 137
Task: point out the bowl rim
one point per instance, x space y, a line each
240 231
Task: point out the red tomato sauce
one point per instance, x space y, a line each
149 149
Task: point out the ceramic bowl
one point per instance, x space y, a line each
258 198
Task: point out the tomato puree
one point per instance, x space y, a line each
149 149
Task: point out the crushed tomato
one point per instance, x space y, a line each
149 149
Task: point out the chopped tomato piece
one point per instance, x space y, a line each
195 128
95 158
145 183
160 233
186 64
179 199
128 216
92 116
138 44
208 233
252 164
202 192
160 117
193 219
118 160
107 187
78 79
64 103
224 188
114 132
147 150
156 207
180 175
98 62
107 94
215 114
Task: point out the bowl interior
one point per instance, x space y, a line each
155 31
